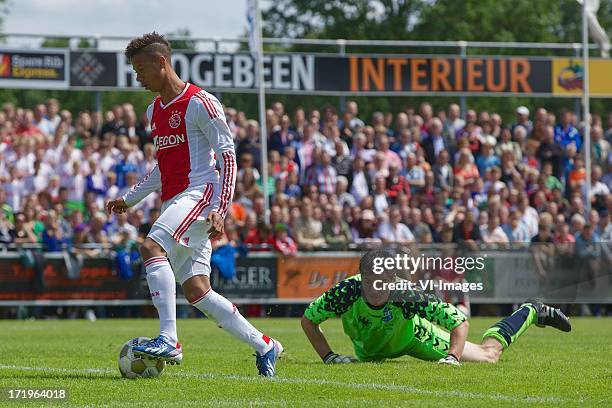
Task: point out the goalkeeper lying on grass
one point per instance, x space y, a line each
381 327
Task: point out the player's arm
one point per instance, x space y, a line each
333 302
151 182
211 120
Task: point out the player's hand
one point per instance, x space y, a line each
334 358
117 206
215 221
449 360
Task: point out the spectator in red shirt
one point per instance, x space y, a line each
283 242
260 237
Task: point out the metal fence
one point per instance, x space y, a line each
336 46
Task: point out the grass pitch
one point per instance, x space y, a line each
545 367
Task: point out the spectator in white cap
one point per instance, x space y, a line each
522 119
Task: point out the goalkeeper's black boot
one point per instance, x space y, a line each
550 316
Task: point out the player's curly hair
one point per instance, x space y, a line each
152 43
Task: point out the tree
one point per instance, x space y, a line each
349 19
469 20
64 42
184 44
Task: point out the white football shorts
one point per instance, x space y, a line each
181 230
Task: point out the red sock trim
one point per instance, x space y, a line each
154 260
266 339
202 296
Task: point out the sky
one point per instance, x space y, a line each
204 18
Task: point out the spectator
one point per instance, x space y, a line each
493 234
260 238
365 230
467 232
360 187
516 230
24 230
507 144
566 133
283 242
308 230
443 172
51 234
599 190
522 119
465 170
434 143
381 203
283 136
394 231
588 252
487 158
7 232
543 251
336 231
416 225
323 175
413 173
344 198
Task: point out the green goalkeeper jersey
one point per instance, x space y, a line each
392 330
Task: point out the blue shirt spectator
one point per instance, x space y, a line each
566 133
122 168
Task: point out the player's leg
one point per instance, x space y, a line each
158 250
162 286
505 332
200 294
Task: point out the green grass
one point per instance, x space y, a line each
545 367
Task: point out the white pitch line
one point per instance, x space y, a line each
309 381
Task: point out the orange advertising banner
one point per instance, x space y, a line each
309 277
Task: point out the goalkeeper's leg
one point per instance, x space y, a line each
505 332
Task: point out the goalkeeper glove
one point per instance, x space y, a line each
450 360
333 358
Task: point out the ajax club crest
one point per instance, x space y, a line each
175 120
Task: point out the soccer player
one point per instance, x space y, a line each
383 326
190 134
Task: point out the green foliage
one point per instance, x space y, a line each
183 44
435 20
64 42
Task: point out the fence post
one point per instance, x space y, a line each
342 51
463 53
577 107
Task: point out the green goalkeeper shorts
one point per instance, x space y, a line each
430 342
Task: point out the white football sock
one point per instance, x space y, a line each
163 292
229 318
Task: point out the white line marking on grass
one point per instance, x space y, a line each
310 381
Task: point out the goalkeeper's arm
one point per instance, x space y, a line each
319 343
458 337
334 302
316 337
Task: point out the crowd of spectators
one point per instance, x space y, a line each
335 179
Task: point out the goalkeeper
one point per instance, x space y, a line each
384 324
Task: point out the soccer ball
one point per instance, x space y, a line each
132 366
